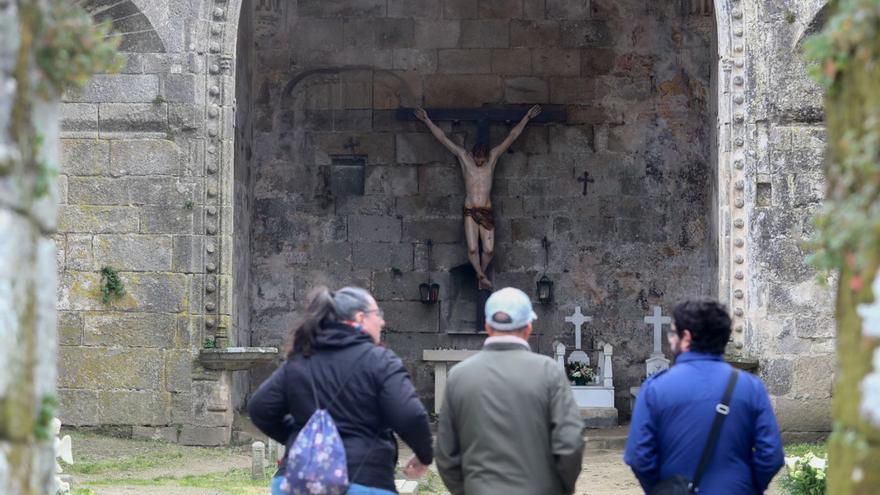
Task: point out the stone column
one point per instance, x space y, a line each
28 147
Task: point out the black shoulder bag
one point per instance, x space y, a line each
680 485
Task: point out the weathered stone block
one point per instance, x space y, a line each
431 34
572 139
178 370
396 89
79 117
141 117
97 219
398 286
410 59
167 434
78 407
568 9
485 33
373 229
556 61
525 90
815 328
207 436
534 34
500 9
459 9
79 252
85 157
438 230
578 34
180 88
395 33
118 88
383 256
597 61
341 8
159 220
469 61
153 292
188 254
133 252
97 368
777 375
70 328
134 407
392 181
802 415
534 9
813 377
379 147
411 317
439 179
130 329
145 157
571 90
420 147
419 9
512 62
462 90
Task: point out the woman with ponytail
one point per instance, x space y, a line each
364 386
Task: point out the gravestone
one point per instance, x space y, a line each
578 319
258 460
657 361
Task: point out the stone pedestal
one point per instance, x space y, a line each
443 359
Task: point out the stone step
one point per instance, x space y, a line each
407 487
599 417
606 438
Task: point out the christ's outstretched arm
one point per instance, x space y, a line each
514 133
438 133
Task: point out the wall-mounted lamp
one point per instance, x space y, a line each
544 288
429 292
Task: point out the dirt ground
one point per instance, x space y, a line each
112 466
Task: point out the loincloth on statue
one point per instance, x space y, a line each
483 216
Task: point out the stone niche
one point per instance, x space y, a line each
342 192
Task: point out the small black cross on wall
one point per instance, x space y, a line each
352 144
586 179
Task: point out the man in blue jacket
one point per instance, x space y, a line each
675 410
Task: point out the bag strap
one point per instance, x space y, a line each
722 409
341 386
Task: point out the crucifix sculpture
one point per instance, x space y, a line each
478 167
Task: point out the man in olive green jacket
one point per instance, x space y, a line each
509 424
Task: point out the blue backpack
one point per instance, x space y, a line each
316 462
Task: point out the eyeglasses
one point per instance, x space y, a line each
379 312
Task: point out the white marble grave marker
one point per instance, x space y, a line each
657 361
559 347
578 319
258 460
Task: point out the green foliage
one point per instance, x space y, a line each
801 449
849 37
848 225
805 476
42 427
111 284
83 491
46 173
209 343
790 16
189 204
122 464
72 48
580 373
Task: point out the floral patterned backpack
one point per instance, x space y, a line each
316 462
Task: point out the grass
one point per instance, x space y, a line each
800 449
232 482
133 463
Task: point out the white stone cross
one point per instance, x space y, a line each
578 319
658 321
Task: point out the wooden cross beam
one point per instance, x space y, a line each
486 115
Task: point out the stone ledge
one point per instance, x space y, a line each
599 417
236 358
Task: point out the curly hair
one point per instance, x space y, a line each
708 322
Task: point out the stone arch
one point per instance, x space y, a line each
735 192
129 23
817 22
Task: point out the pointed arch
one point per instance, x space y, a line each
129 23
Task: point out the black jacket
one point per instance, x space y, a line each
377 397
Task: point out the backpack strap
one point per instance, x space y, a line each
722 409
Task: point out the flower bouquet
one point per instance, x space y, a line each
580 374
805 476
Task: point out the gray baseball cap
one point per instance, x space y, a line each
512 302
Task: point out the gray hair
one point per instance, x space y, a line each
347 301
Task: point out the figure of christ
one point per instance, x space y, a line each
478 167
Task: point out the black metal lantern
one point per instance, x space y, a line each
545 290
435 292
425 293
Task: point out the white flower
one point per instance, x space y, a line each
817 463
791 463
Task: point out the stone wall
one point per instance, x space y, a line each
345 193
142 146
